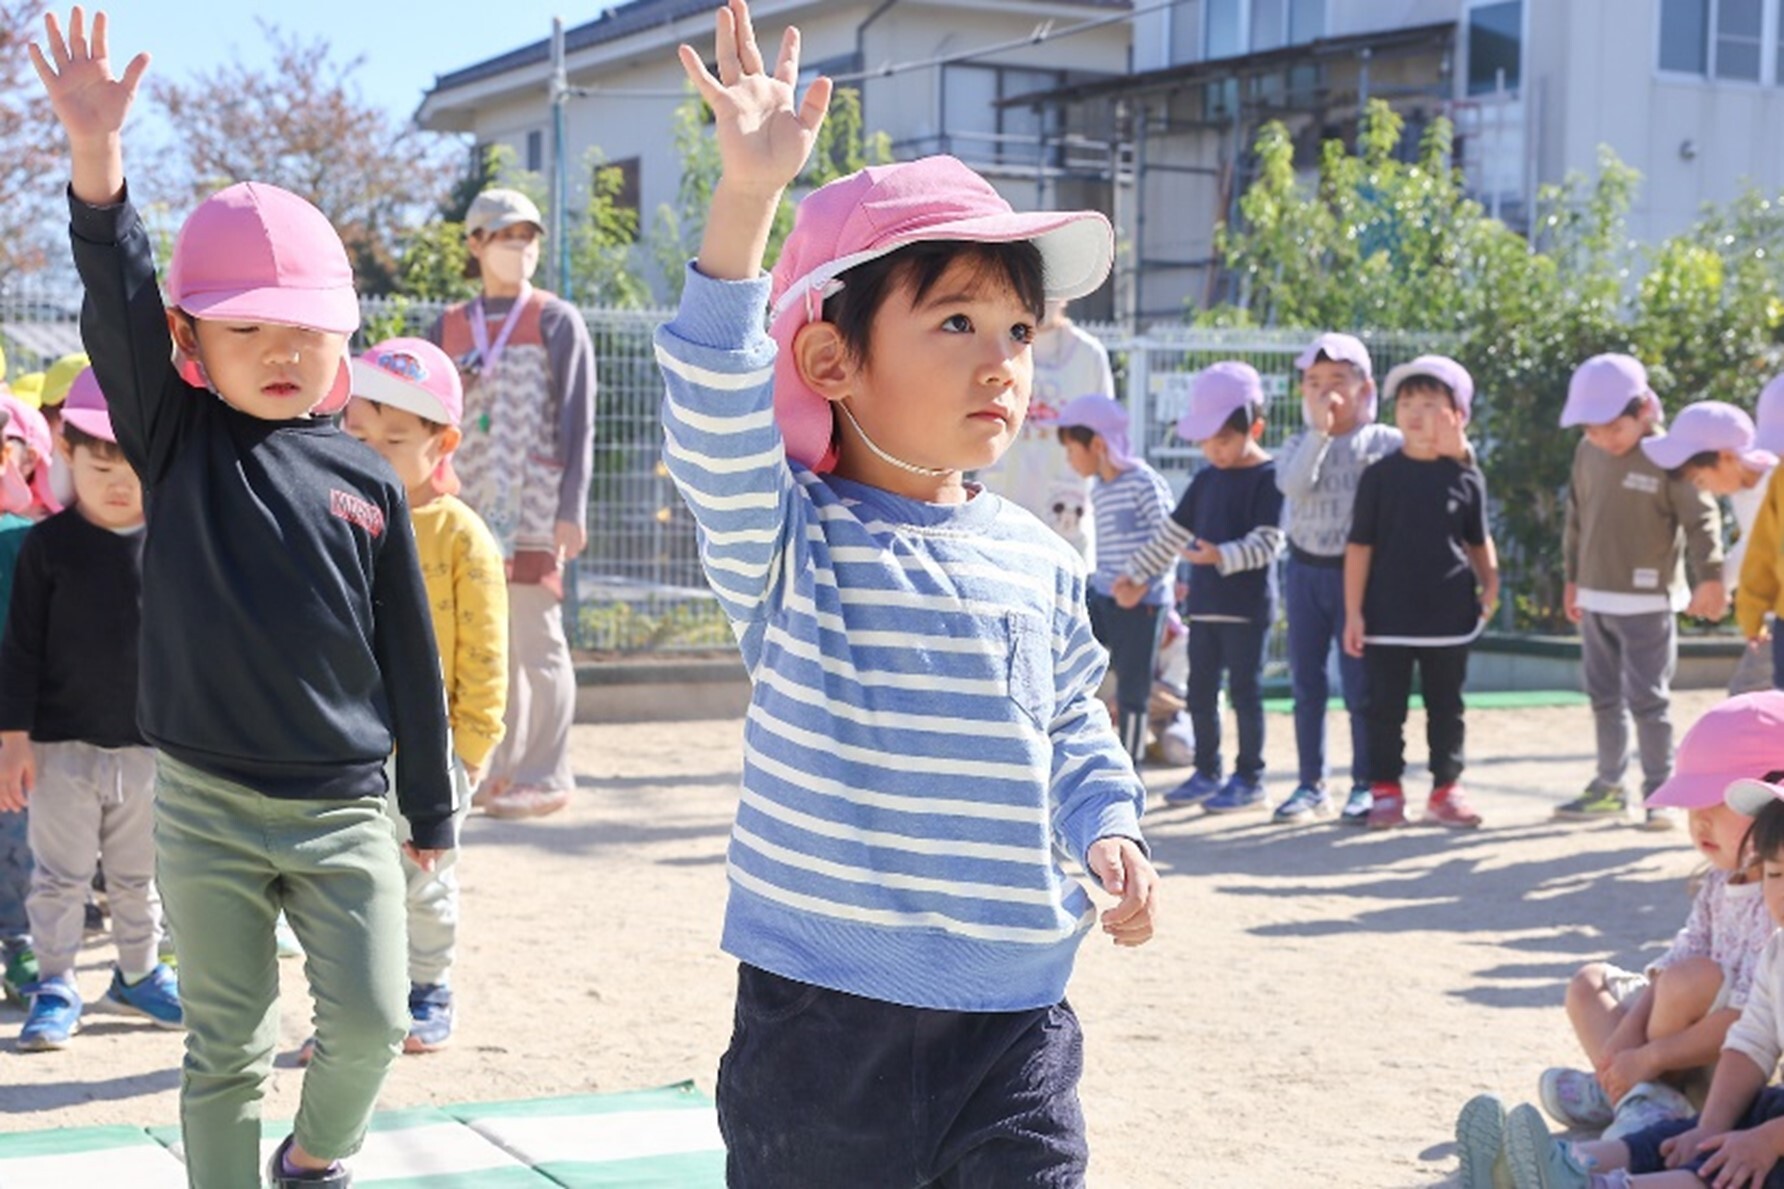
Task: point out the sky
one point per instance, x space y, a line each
404 43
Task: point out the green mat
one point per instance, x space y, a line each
1506 699
647 1139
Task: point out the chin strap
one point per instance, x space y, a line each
901 464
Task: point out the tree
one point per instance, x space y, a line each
32 151
303 124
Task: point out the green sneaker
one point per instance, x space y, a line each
20 972
1596 804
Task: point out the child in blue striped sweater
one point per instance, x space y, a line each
923 745
1130 501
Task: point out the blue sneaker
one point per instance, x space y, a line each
1196 789
1239 793
1357 806
1306 802
430 1017
55 1016
155 997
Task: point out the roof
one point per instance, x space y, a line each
620 21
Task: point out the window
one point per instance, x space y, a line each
976 128
1738 27
1306 20
1495 38
1237 27
1723 39
1269 24
1685 36
1226 37
535 151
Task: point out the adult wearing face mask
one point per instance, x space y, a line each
529 377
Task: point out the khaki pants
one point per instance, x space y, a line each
432 896
228 859
535 751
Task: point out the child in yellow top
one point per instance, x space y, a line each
407 403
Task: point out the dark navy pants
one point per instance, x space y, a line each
1315 596
822 1089
1644 1145
15 876
1131 636
1236 650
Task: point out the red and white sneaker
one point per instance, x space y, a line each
1389 809
1449 806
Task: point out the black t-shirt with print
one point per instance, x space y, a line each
1420 517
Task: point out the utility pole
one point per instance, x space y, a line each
560 168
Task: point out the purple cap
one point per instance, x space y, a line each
1341 348
1768 417
1707 425
1602 388
1106 418
85 407
1737 739
1445 371
1217 392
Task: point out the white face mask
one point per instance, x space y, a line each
511 262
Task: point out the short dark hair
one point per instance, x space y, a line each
78 438
1703 460
1765 837
1081 434
1356 369
853 308
1635 408
1242 419
1427 384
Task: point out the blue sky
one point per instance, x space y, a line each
405 43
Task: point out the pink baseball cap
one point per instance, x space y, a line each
1707 425
1768 417
1341 348
1103 415
27 425
1445 371
878 210
414 375
1735 740
256 253
1602 387
1217 392
85 408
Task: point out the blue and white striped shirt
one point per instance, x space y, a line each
1129 509
923 745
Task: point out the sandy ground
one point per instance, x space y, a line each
1318 1004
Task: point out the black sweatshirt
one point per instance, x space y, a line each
286 635
68 656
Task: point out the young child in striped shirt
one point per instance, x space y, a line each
1129 501
924 743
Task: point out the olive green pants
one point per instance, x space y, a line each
228 859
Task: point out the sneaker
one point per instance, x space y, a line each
335 1176
1196 789
1449 806
1574 1099
1238 794
306 1052
1357 806
1596 804
155 997
1388 808
285 941
1646 1104
1663 819
55 1015
520 800
1307 801
430 1017
19 974
1538 1160
1480 1141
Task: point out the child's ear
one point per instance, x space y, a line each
448 439
184 332
824 360
1257 430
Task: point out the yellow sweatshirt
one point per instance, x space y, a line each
467 590
1761 586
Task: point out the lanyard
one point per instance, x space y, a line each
488 352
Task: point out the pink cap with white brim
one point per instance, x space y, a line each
1736 739
85 407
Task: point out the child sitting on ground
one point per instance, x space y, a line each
407 402
1420 580
1648 1035
1129 501
69 742
924 743
1227 526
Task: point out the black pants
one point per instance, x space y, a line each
1131 636
1235 650
1441 674
1644 1145
821 1089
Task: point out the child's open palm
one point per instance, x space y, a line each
88 100
764 139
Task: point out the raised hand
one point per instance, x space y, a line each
88 100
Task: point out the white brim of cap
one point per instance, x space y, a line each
1748 796
376 384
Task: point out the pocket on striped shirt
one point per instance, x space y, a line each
1030 668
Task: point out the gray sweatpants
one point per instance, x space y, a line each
535 751
1629 662
93 803
431 897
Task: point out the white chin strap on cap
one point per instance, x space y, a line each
901 464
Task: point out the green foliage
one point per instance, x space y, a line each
1379 242
601 245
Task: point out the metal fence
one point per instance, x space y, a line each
638 587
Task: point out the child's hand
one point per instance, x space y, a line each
1128 592
424 859
473 774
1570 602
1740 1159
1625 1069
1325 407
1202 553
1709 601
18 771
763 138
1684 1146
1353 635
1123 871
89 102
